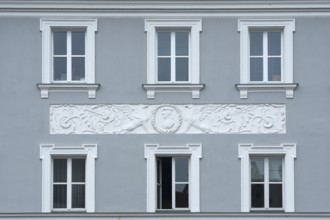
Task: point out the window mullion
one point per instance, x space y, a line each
266 182
173 63
69 56
265 57
69 182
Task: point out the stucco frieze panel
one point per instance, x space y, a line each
168 119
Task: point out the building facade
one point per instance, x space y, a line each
164 109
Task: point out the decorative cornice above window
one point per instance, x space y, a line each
153 88
45 88
271 87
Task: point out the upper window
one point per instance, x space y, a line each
68 56
267 177
173 177
68 177
173 56
266 56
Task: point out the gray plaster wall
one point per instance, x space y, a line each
121 69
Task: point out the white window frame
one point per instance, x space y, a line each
47 153
288 152
152 151
288 27
172 25
48 84
68 183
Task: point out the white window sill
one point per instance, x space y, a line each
45 88
153 88
269 87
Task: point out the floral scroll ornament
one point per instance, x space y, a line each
166 119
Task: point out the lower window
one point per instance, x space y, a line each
266 182
69 183
172 183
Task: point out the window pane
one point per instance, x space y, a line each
60 68
256 69
274 43
182 195
59 196
78 43
256 43
257 169
181 169
164 69
182 69
257 195
164 43
59 42
78 68
274 69
275 195
78 196
181 43
60 170
78 170
275 169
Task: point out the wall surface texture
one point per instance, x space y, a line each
121 69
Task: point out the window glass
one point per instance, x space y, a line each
256 43
78 68
275 196
78 43
257 195
182 69
78 196
274 69
181 169
274 43
164 69
275 169
257 169
60 170
182 195
78 170
60 70
182 43
60 44
256 69
164 43
59 196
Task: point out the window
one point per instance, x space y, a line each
267 176
266 183
173 56
68 177
266 56
69 183
173 177
172 183
68 53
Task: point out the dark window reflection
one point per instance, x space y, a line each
78 43
257 195
182 195
275 195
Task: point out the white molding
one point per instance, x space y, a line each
47 151
195 26
168 119
193 88
151 151
46 26
288 26
287 150
73 87
278 87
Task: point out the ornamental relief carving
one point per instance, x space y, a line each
168 119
